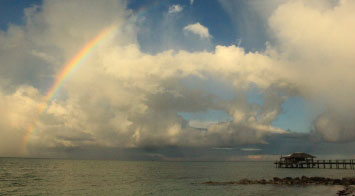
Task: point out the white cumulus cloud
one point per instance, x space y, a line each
198 29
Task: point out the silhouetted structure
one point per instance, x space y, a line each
297 157
304 160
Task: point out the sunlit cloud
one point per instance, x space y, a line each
198 29
250 149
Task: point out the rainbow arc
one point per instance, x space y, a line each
64 73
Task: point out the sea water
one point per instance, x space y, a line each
102 177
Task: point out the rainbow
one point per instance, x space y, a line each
72 64
64 73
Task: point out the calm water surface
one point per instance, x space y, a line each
95 177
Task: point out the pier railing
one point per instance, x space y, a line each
330 164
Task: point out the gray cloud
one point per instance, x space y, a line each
276 145
175 9
335 126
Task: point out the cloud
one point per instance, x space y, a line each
121 97
191 2
134 97
175 9
250 21
16 108
201 124
199 30
314 42
332 126
250 149
166 34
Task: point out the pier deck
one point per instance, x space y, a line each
330 164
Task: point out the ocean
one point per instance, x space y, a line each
20 176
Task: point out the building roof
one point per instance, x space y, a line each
299 155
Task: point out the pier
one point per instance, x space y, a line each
303 160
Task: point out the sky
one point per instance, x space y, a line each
177 80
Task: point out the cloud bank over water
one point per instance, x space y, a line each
123 98
315 43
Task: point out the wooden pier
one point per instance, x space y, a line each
321 164
303 160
